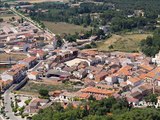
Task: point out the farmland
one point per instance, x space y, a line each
61 27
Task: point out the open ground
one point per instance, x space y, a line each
125 42
15 57
34 87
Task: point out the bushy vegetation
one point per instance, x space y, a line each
106 109
151 45
84 14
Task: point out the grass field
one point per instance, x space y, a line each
35 87
6 16
59 28
126 42
16 57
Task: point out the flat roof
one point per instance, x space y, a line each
75 62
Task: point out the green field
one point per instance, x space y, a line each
125 42
61 27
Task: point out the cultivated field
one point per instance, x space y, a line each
126 42
61 27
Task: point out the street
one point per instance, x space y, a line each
31 21
7 103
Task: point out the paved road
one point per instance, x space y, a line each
30 20
8 108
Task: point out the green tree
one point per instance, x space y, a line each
43 92
151 98
59 41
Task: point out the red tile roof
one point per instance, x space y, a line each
29 59
97 91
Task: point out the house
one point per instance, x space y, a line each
153 75
4 85
65 55
121 78
137 95
33 75
7 30
111 79
125 70
40 54
88 52
35 105
81 73
89 82
97 93
94 60
105 28
55 93
83 65
156 59
93 70
134 81
84 95
144 89
125 61
11 38
29 62
158 100
67 96
100 76
69 69
139 13
132 101
58 73
146 67
16 73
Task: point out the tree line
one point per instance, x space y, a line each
106 109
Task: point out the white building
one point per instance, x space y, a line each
156 59
33 75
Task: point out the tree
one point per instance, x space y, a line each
59 41
92 98
43 92
151 98
140 114
1 19
151 45
27 101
